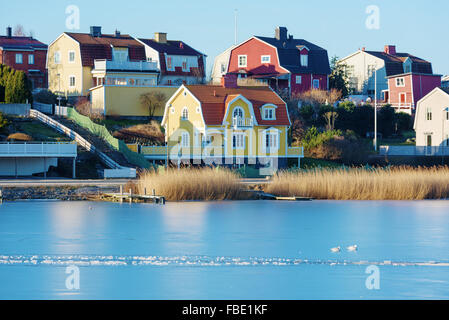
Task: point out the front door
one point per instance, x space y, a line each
429 140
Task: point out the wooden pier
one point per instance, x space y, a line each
131 197
266 196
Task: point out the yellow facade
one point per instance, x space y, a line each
59 73
125 100
222 143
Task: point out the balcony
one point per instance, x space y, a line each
110 65
242 123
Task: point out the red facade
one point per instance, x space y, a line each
405 90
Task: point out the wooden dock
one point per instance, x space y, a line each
266 196
131 197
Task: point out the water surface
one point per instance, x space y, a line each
224 250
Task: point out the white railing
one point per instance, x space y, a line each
238 122
38 149
72 134
104 65
295 151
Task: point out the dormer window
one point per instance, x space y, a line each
185 114
238 113
304 60
120 54
269 112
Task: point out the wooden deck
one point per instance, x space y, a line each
131 197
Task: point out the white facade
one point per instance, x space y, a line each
432 119
360 68
221 64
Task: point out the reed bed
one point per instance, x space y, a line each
191 184
396 183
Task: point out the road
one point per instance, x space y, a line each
91 183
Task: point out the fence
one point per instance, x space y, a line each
16 109
101 131
413 151
43 107
42 149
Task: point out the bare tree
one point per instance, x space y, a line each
153 101
330 119
19 31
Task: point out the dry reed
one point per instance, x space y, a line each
191 184
396 183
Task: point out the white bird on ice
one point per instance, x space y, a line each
336 249
352 248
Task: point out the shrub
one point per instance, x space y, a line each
18 136
45 96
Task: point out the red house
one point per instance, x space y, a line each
412 80
26 54
288 65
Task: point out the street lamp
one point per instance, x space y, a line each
375 108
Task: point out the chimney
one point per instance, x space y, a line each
390 49
363 49
95 31
181 45
281 33
117 34
160 37
9 32
229 80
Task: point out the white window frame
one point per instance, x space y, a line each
185 113
267 108
313 83
184 63
304 60
74 57
236 109
185 139
298 78
428 114
70 81
19 61
169 66
246 60
274 136
400 85
262 57
31 59
239 139
57 57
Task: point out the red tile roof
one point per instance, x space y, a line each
100 47
214 100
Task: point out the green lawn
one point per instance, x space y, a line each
39 131
117 124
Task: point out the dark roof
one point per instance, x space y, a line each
394 63
445 90
21 43
214 100
289 55
172 47
100 47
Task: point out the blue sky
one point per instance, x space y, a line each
208 26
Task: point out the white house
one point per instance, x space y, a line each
221 64
432 119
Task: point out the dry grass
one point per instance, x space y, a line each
399 183
191 184
150 133
18 136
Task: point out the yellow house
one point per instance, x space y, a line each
227 125
111 69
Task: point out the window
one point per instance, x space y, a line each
169 82
269 114
429 114
400 82
298 79
223 68
316 83
265 59
71 81
19 58
185 114
242 61
71 56
184 65
304 60
447 114
238 113
271 141
57 57
429 140
31 59
185 139
238 140
169 63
